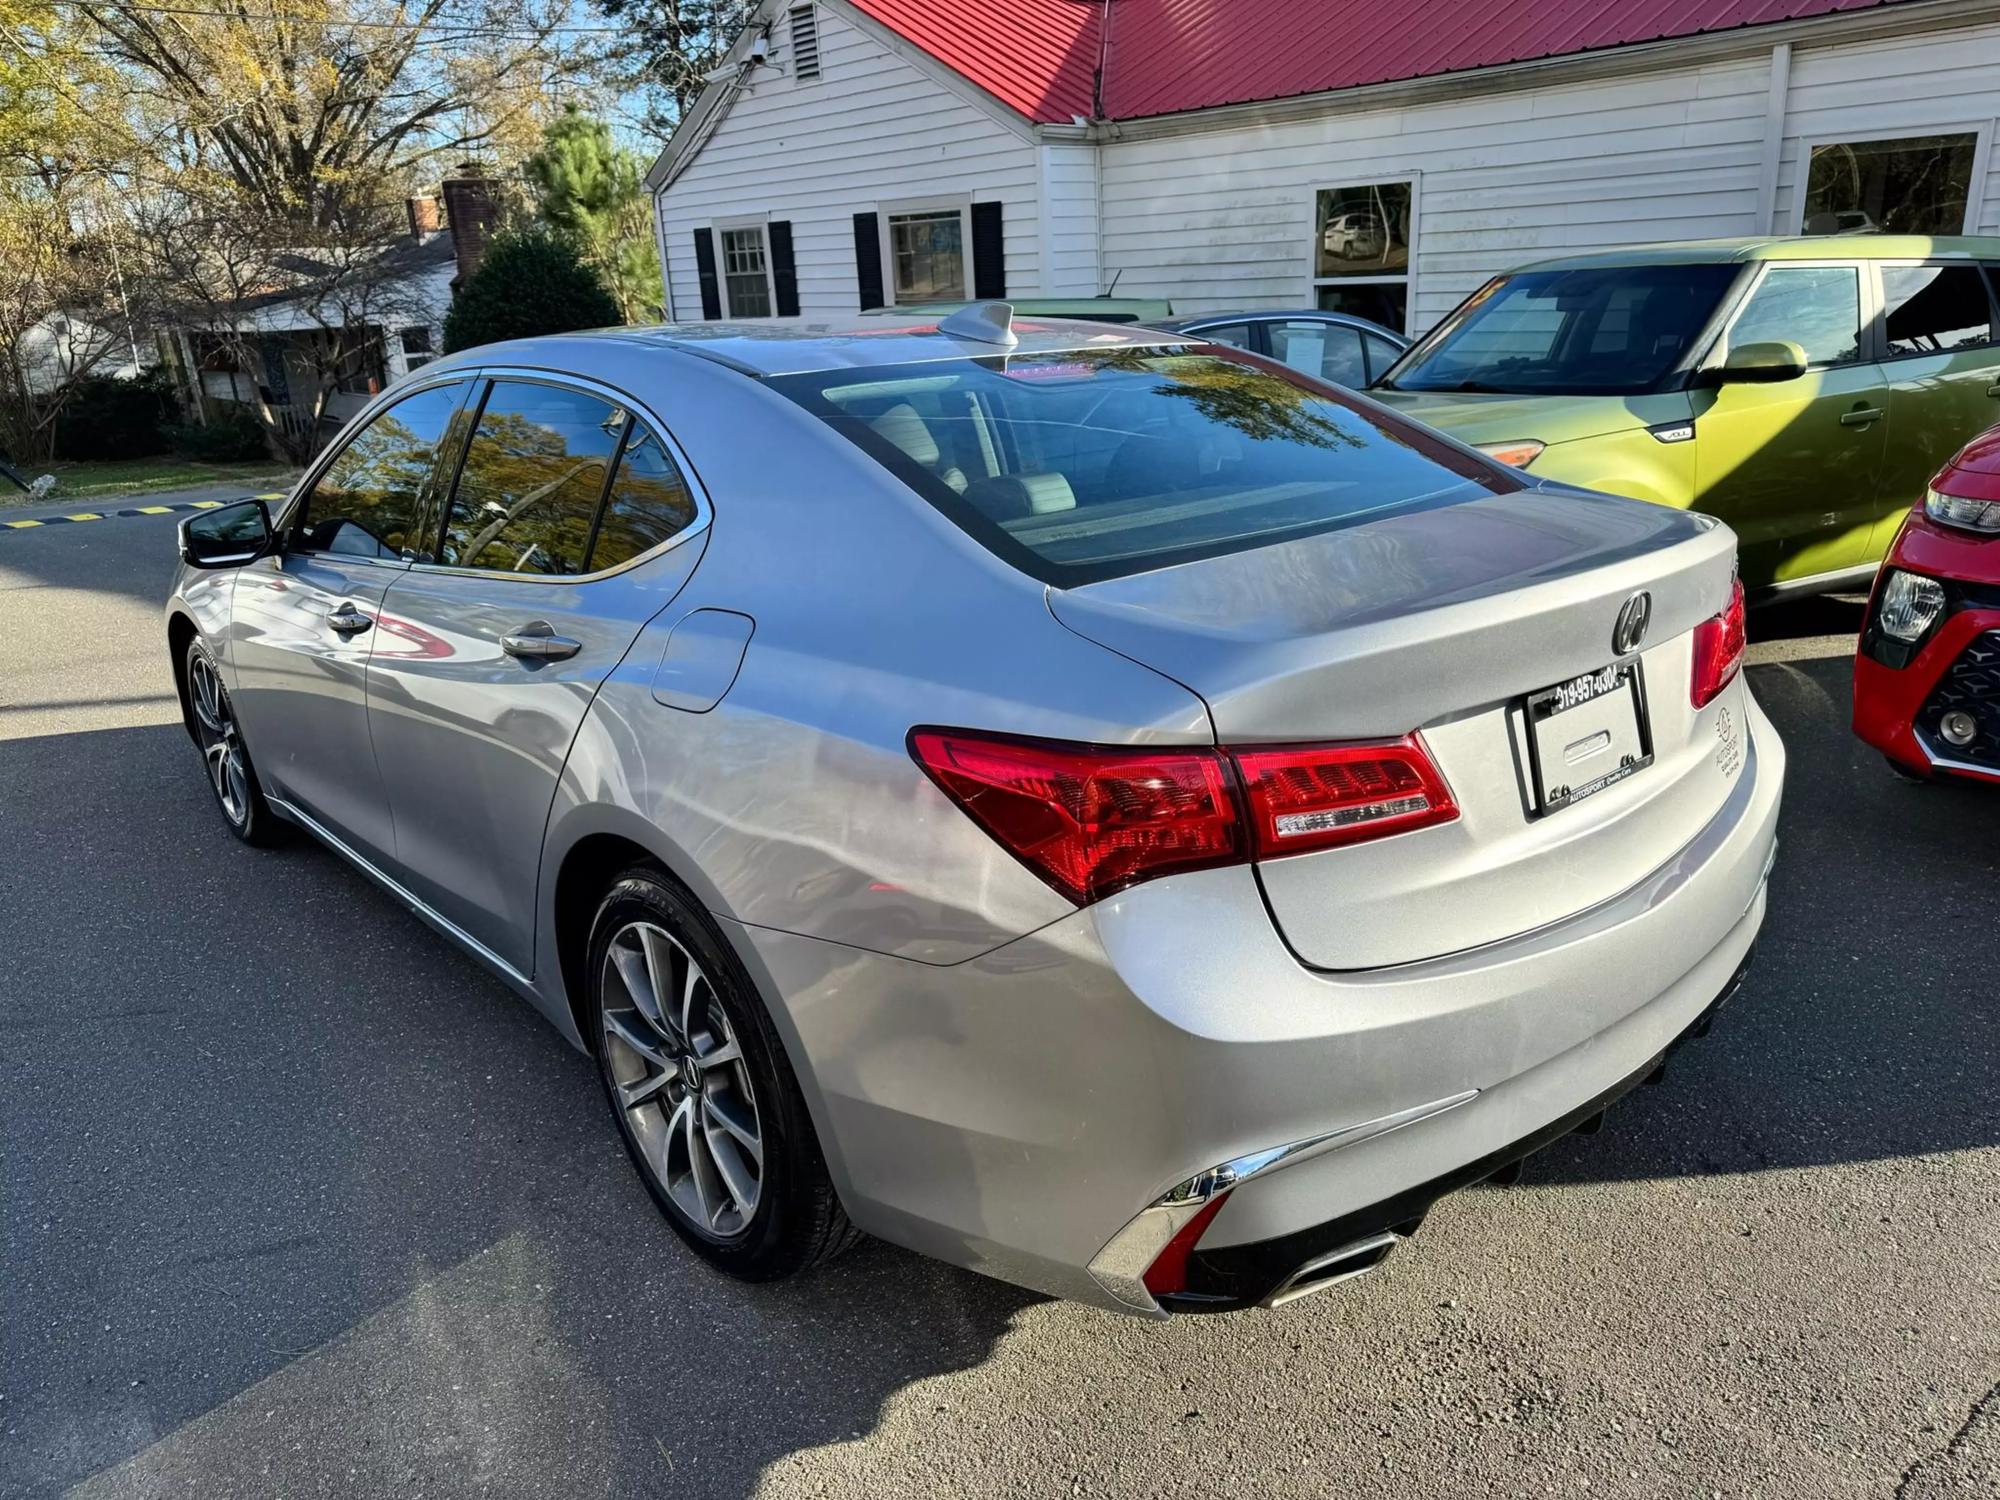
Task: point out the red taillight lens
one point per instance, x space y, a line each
1304 798
1090 820
1718 650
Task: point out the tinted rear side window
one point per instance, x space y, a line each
1935 309
1094 463
648 502
533 474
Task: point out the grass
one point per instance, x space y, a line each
138 476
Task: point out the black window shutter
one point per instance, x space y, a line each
868 260
704 266
989 253
784 270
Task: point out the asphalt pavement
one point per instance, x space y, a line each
295 1200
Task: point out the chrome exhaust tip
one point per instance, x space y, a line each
1344 1264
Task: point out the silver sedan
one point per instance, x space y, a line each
1089 804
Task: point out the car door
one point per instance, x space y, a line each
488 658
1793 466
304 620
1943 372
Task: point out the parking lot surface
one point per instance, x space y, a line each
294 1199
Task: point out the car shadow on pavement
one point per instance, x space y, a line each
293 1190
1808 1066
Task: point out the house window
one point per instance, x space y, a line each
1361 251
417 347
805 43
927 255
746 273
1916 185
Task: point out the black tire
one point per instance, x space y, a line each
797 1220
244 811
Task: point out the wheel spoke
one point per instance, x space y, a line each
728 1052
745 1135
729 1166
661 953
632 1095
207 698
694 977
218 756
701 1166
239 784
637 1035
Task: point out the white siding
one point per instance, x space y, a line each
872 129
1072 266
1224 218
1915 86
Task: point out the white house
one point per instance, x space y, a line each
1382 159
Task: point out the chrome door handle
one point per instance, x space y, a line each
538 641
1993 389
347 619
1861 417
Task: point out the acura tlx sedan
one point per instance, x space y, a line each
1091 805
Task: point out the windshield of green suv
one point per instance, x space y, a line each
1606 331
1085 464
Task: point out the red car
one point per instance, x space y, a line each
1927 675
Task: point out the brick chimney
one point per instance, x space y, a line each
426 217
472 209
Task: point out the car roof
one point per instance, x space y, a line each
1789 247
1194 322
797 347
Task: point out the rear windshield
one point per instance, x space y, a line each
1612 331
1094 463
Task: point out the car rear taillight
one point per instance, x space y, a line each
1718 650
1094 819
1304 797
1089 819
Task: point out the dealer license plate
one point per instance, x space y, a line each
1586 734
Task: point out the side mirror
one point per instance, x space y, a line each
228 537
1760 364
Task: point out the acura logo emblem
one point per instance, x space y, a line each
1630 631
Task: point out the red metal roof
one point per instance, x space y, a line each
1162 56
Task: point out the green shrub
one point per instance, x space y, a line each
531 282
231 437
109 418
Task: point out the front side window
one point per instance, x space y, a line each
370 500
1935 309
746 278
1325 351
1236 335
534 472
1094 463
1816 307
1361 251
1603 331
927 255
1916 185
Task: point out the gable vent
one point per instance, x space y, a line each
805 42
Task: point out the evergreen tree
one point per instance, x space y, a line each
593 192
531 282
670 45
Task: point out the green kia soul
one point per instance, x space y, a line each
1804 390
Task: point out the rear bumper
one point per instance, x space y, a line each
1234 1277
1016 1112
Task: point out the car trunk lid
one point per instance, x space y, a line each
1443 621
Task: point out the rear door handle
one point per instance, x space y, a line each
538 641
1861 416
347 619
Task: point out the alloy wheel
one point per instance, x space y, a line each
680 1078
221 745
